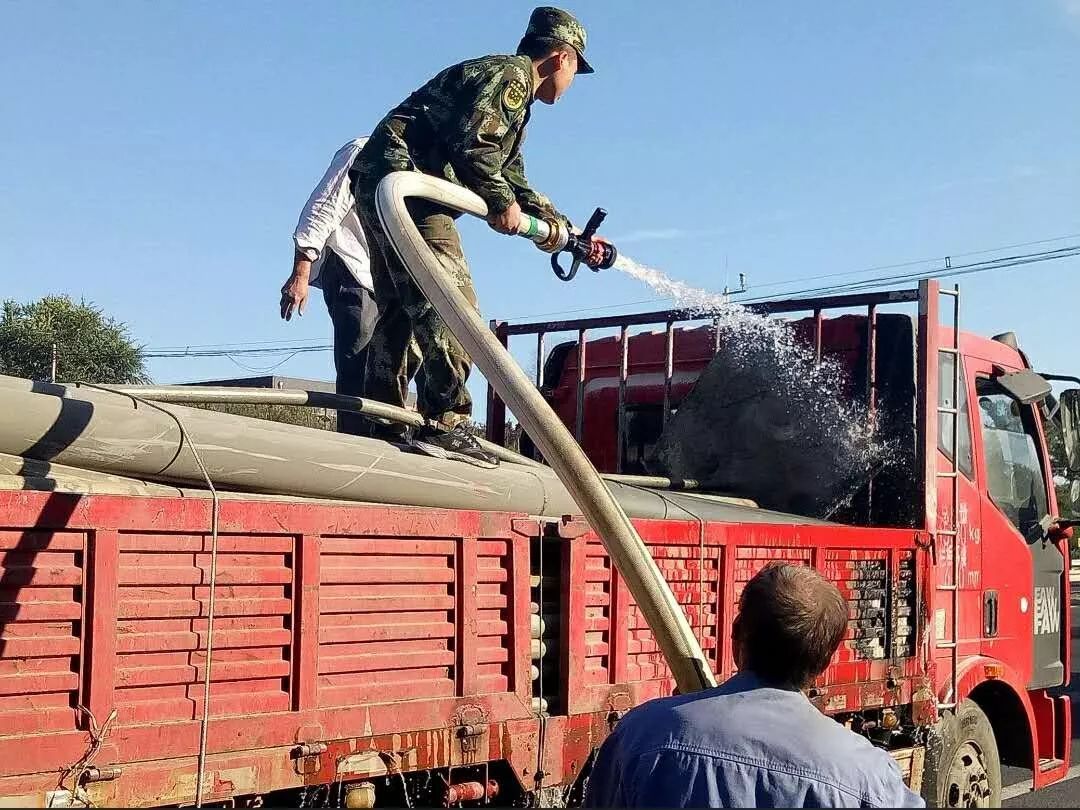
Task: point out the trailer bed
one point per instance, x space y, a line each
388 639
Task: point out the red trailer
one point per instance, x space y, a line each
385 656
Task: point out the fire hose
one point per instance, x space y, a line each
628 552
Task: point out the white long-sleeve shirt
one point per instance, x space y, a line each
329 220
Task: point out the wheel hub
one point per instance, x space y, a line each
967 783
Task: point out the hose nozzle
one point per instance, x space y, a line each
581 247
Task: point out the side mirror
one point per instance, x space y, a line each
1069 412
1024 386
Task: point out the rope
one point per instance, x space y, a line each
97 739
185 439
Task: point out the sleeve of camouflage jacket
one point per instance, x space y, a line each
531 201
476 136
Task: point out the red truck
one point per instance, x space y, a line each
372 655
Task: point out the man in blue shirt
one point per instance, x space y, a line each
755 741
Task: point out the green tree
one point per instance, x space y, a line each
90 346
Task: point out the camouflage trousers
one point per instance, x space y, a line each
406 315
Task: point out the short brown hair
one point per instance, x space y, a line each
791 620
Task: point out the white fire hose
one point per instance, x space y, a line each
663 613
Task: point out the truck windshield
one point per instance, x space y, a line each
1014 474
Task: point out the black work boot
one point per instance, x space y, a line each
458 444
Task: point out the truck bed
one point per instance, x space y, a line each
398 638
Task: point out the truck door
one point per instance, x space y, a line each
1016 501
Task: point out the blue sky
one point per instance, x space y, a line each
155 155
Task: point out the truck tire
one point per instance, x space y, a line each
963 768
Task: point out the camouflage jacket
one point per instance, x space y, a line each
466 125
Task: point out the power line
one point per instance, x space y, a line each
583 309
266 370
228 352
916 262
789 281
182 347
949 270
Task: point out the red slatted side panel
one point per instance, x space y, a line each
696 585
161 627
694 574
598 583
862 575
493 645
41 581
905 605
751 559
386 624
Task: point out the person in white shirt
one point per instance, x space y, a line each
331 253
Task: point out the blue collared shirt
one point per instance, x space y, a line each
741 745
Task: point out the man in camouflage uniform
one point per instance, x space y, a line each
466 125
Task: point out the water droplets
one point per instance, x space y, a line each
833 418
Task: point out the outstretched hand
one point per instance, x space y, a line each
294 293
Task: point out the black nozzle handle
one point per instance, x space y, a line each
578 246
565 275
597 218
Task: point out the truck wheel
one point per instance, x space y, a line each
963 768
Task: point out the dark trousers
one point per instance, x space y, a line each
354 313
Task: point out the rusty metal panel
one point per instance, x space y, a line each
388 612
161 626
494 646
862 575
598 575
694 581
41 579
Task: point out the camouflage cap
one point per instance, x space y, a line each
554 23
